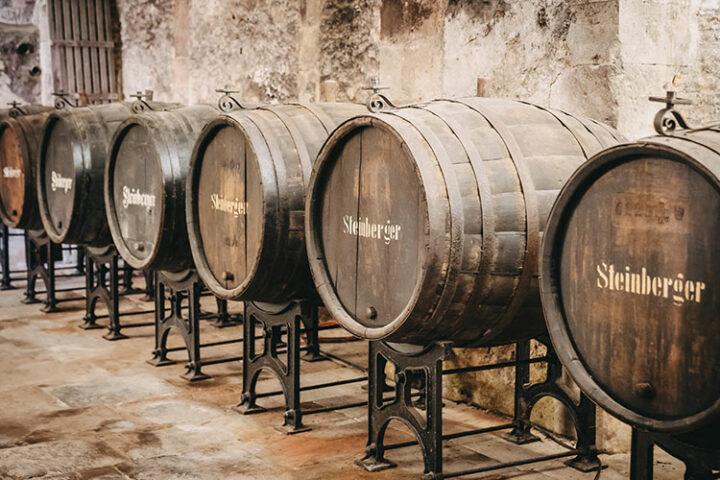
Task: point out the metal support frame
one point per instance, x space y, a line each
7 278
102 283
279 331
186 319
417 403
699 463
40 256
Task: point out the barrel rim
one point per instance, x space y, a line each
52 232
551 297
316 257
147 122
13 124
207 135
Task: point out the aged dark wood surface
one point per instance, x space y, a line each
19 146
145 186
424 223
74 148
246 198
630 270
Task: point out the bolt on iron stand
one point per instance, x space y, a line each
102 283
417 402
183 292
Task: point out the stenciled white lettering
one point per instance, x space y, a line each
133 196
234 207
677 288
10 172
360 227
58 182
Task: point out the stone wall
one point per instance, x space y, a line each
19 53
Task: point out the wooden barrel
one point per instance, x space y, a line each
70 172
145 183
246 197
630 283
424 223
20 138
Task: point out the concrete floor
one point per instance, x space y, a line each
75 406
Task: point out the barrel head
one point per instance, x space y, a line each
63 156
12 175
371 227
636 278
137 194
229 196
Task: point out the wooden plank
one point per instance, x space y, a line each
391 229
222 216
110 52
83 23
340 204
93 43
58 61
71 85
138 192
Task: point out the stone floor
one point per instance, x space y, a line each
75 406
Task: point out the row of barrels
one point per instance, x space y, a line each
447 220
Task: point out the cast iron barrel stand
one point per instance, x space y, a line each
177 292
423 372
102 282
280 330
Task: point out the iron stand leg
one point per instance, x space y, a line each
149 285
33 260
102 283
641 456
189 327
5 259
699 462
50 305
520 433
92 281
274 326
582 410
312 338
223 318
422 370
40 255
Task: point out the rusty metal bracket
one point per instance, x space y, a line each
376 101
668 120
143 101
62 102
228 102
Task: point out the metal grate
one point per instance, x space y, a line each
83 49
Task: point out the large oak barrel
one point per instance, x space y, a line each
145 184
246 198
424 223
70 172
20 137
631 281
